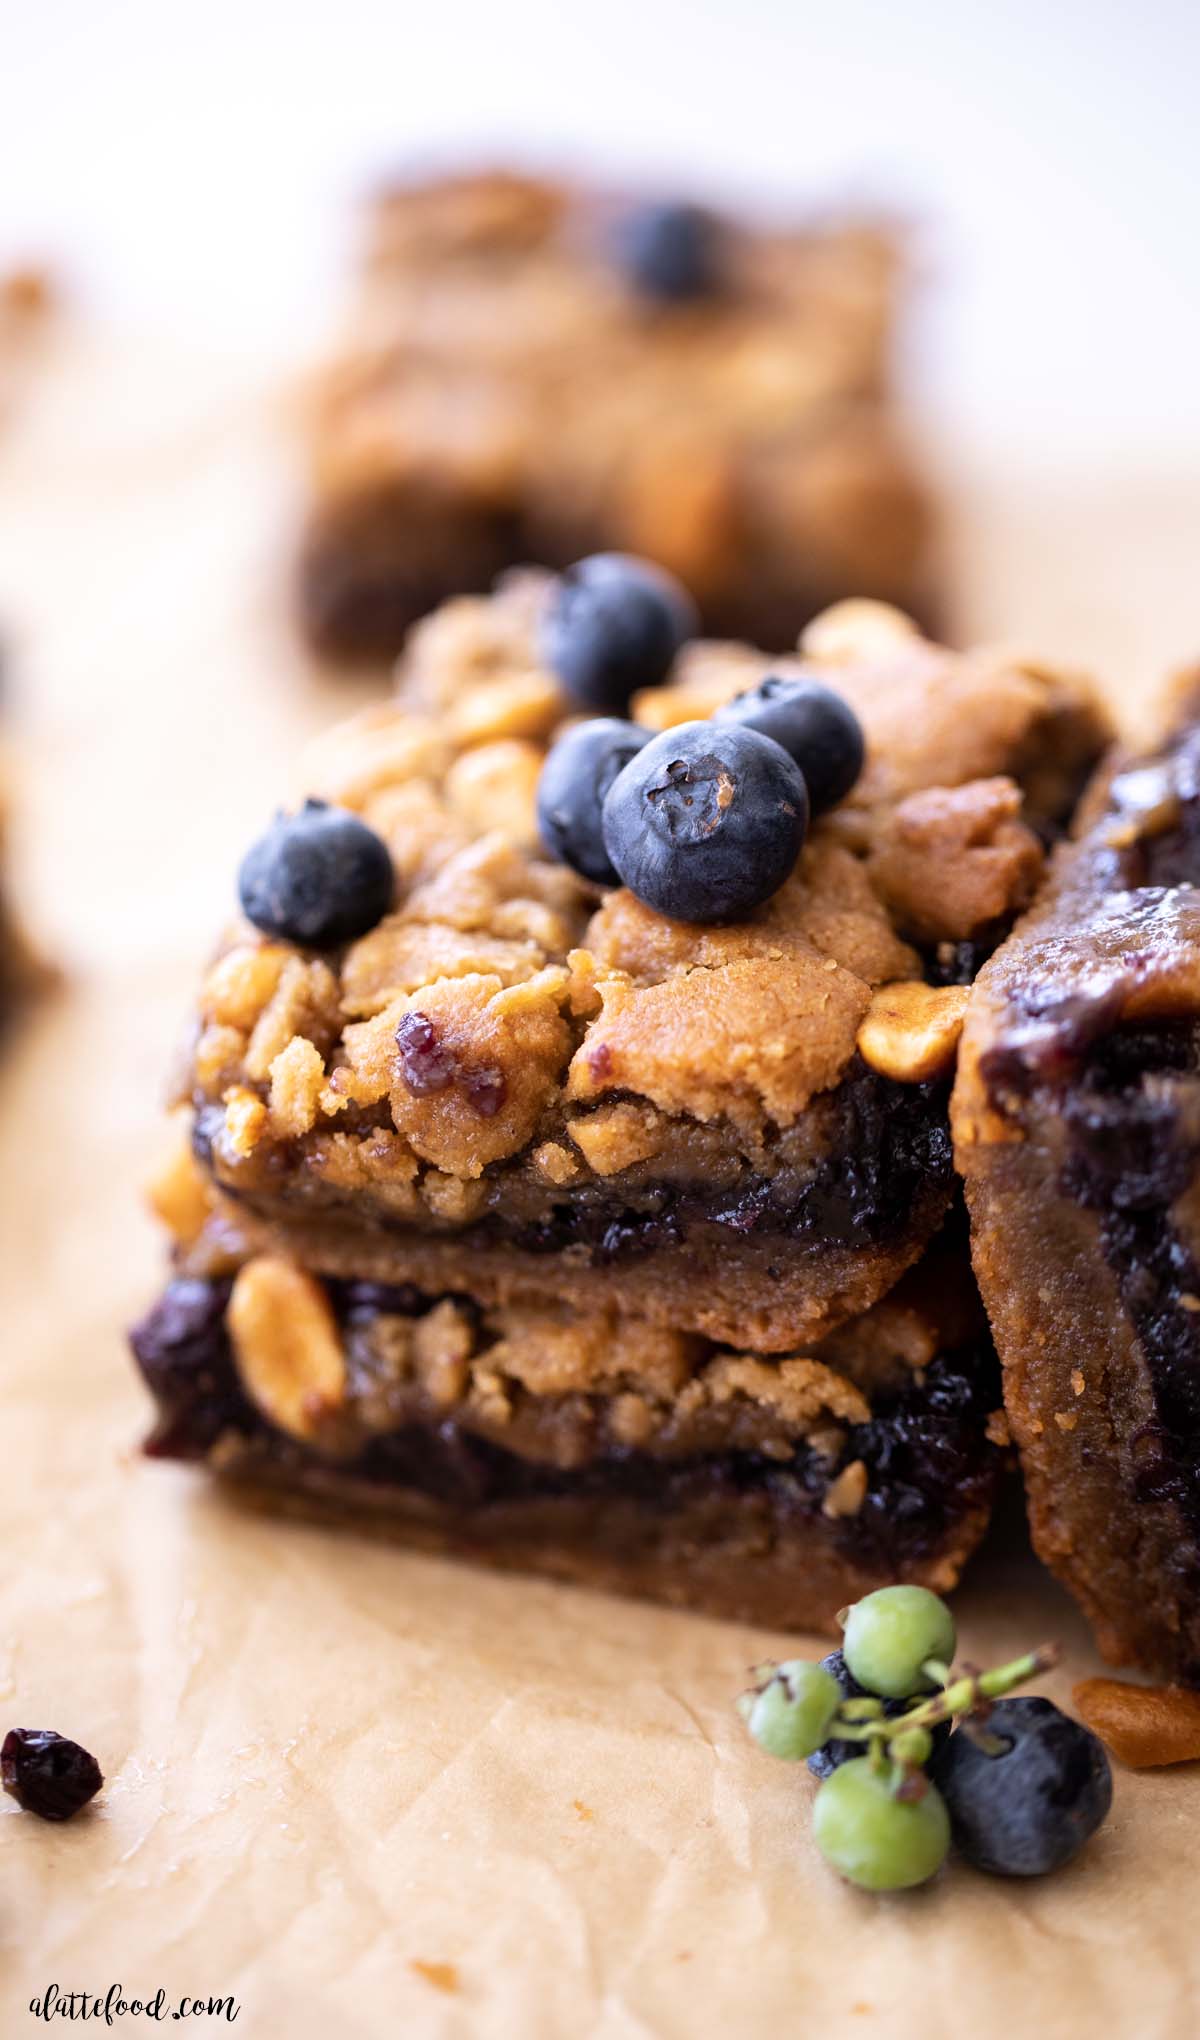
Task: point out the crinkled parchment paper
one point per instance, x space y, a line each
365 1793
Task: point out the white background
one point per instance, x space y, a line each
193 166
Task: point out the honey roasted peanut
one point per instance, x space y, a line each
287 1346
911 1031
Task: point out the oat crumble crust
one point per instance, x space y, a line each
586 1048
503 394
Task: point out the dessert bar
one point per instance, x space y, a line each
1077 1128
537 1090
537 1223
535 371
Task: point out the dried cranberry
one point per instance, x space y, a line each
426 1064
487 1090
48 1774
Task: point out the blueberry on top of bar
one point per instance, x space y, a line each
613 625
670 252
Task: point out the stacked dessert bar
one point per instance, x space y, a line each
534 372
549 1228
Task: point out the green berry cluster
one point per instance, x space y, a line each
878 1818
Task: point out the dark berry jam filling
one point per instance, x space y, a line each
887 1164
890 1157
924 1449
1128 1100
1133 1125
926 1458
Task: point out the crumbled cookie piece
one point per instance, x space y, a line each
242 982
748 1039
494 786
951 860
472 1065
619 1136
245 1119
297 1084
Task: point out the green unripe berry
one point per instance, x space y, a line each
890 1634
790 1717
873 1839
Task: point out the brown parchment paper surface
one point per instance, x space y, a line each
363 1792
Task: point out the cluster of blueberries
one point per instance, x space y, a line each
703 822
1016 1786
706 820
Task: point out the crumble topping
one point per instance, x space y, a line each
504 1001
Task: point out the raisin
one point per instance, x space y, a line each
48 1774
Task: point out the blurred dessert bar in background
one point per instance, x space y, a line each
21 970
27 300
28 296
533 372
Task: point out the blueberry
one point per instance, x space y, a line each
815 726
319 877
836 1752
47 1773
1032 1806
575 778
707 821
614 624
182 1348
359 1302
670 252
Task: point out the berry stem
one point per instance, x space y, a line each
961 1695
899 1743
